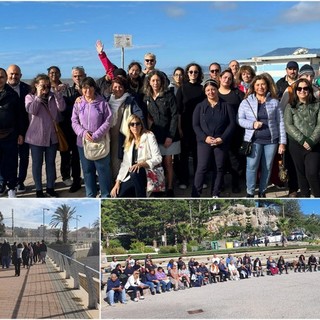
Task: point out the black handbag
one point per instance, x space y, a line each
245 148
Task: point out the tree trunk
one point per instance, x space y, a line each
184 246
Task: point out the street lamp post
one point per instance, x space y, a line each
77 226
43 222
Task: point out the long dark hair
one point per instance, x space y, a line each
310 98
200 74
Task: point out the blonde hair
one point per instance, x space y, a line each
129 135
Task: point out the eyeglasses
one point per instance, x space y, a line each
193 72
148 60
177 75
134 124
302 88
214 71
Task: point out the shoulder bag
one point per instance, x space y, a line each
62 141
246 146
96 150
156 181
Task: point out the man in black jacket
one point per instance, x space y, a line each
10 133
22 89
70 161
290 77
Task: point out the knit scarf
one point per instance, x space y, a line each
115 105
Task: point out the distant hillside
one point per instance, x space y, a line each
239 215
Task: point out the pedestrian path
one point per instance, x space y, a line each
39 292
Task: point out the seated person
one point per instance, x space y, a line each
272 266
204 272
234 273
170 264
113 263
150 265
302 263
247 263
180 263
229 259
175 278
115 291
135 285
141 152
152 281
312 261
184 275
282 265
214 272
122 276
224 270
130 261
129 269
257 267
197 274
164 280
215 258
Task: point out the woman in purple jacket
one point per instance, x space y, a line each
44 107
91 120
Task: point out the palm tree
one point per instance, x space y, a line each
63 215
184 230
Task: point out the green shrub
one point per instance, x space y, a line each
168 249
116 250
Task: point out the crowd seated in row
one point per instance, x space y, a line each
134 278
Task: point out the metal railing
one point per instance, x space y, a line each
73 269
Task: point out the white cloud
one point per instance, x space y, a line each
175 12
302 12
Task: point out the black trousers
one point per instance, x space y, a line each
307 164
208 156
135 186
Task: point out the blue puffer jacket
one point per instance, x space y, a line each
246 118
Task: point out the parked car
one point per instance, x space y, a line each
297 236
272 237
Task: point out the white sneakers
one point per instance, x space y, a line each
12 193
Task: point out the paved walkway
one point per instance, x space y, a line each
287 296
272 191
39 292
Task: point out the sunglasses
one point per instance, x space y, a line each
214 71
193 72
148 60
134 124
302 88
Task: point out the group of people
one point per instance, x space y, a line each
25 254
143 121
134 277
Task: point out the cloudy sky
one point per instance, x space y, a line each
28 213
35 35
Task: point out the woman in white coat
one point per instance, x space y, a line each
141 151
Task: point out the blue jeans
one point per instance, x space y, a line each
102 167
262 155
152 285
165 286
121 296
37 161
